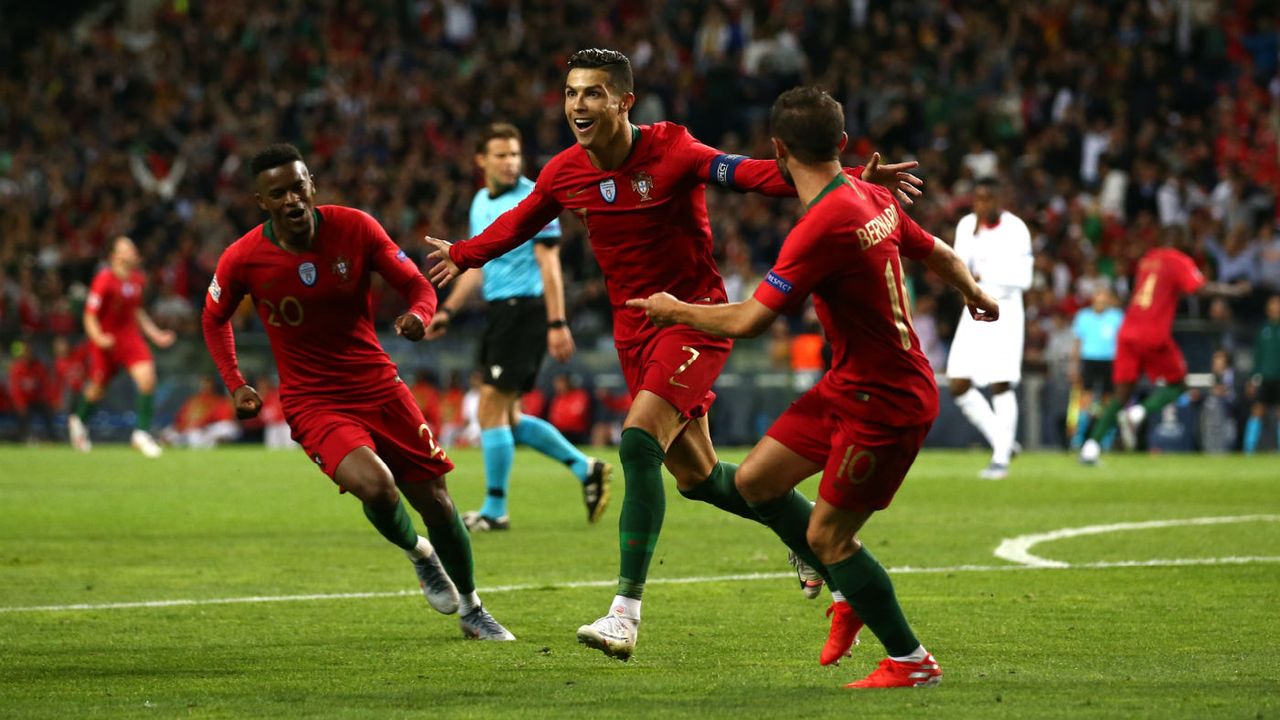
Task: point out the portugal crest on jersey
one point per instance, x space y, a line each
608 190
342 268
642 183
307 271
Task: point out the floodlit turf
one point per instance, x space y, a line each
1190 641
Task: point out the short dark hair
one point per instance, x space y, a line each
272 156
496 131
612 61
809 122
989 183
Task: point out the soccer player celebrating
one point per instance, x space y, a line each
640 192
115 322
308 269
864 422
996 246
1145 343
526 318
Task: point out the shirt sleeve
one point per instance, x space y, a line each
550 235
1190 279
916 243
513 227
97 290
401 273
1077 325
797 272
736 172
226 290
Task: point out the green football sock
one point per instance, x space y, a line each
719 490
394 523
84 408
1161 397
643 507
788 517
1106 421
146 405
867 587
453 545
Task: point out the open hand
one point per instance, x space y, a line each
445 269
894 177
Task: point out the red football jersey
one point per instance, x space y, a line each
845 252
28 380
1164 275
646 220
315 306
115 302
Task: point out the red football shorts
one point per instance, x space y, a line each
1162 361
127 352
864 463
395 430
679 365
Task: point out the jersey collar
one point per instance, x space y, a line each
269 230
837 181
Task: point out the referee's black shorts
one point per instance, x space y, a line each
514 343
1095 375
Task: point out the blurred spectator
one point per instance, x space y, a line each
205 419
611 408
29 391
570 410
1217 408
534 403
426 391
70 371
1265 385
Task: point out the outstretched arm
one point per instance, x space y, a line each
744 319
944 261
506 233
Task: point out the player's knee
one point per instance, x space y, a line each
751 486
369 483
638 447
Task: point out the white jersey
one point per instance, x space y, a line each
999 256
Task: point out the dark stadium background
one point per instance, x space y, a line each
1111 123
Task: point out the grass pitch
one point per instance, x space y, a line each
322 617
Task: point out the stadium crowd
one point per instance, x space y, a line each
1109 123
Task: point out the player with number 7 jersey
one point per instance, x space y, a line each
308 269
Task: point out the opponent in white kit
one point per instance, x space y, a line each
996 246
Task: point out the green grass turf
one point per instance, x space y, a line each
1158 642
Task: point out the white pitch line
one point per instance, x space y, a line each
907 570
1018 549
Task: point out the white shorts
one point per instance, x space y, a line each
988 353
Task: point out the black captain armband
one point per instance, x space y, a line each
722 169
557 324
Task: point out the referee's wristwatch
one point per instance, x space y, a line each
557 324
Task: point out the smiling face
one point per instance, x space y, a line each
597 113
288 193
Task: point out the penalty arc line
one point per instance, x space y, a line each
1018 549
86 607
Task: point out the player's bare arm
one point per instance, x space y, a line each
745 319
559 338
947 264
161 337
247 401
467 284
97 336
895 178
